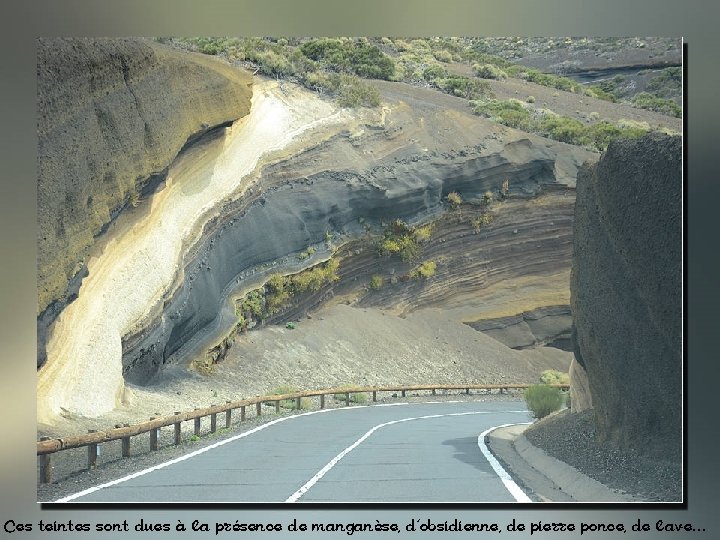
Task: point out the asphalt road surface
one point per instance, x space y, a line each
419 452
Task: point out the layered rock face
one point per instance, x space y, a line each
111 114
243 204
398 169
626 292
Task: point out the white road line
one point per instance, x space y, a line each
322 472
512 487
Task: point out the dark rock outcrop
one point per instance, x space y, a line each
549 325
113 113
626 292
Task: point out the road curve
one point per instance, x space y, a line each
419 452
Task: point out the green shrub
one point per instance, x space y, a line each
358 57
645 100
667 83
543 400
434 72
489 71
425 270
480 221
553 81
509 112
553 376
465 87
423 234
376 282
399 238
454 199
314 278
443 56
306 254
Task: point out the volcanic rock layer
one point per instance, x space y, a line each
626 292
112 114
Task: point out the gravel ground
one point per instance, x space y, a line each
70 473
571 438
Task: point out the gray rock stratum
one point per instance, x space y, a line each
627 292
112 115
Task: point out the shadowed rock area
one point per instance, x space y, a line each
626 292
111 115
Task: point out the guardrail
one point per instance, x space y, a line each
47 446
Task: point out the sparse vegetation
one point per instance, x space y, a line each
423 234
644 100
481 221
399 238
489 71
358 397
259 304
543 400
290 403
309 252
376 282
425 270
514 113
454 199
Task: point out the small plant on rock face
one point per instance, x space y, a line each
454 199
425 270
376 282
543 400
480 221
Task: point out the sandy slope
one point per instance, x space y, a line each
339 345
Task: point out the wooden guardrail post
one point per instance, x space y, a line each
213 422
433 391
402 392
242 413
45 466
258 408
126 444
347 399
298 403
196 426
228 416
178 430
277 406
467 391
92 452
153 437
322 401
374 395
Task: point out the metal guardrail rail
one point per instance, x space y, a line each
47 446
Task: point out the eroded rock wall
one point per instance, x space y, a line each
626 291
111 114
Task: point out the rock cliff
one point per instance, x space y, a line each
112 114
626 292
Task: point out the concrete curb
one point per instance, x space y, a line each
567 479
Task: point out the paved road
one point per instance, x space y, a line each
419 452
